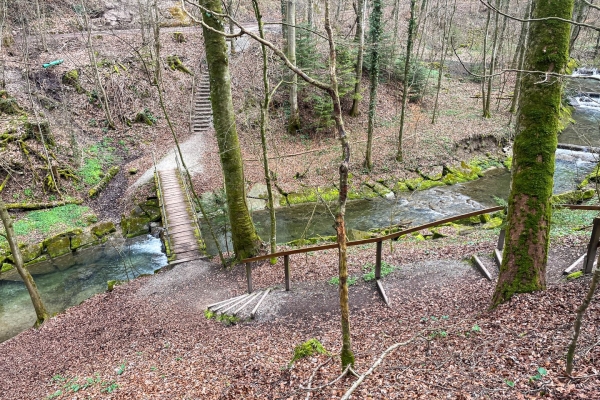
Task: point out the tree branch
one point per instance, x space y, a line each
390 349
265 42
568 21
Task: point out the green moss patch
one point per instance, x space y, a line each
58 219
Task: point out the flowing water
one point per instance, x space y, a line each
77 277
74 278
313 220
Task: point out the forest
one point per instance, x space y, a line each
366 199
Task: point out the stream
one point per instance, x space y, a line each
77 277
74 278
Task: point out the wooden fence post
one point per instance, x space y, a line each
588 262
249 277
286 264
378 260
501 239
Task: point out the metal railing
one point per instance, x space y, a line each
163 210
186 188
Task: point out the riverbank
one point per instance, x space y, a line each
150 336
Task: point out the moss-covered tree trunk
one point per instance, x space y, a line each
412 29
375 38
246 242
529 211
361 11
34 294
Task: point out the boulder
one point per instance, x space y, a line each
83 239
58 245
31 252
103 228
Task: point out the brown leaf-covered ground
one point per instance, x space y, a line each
149 339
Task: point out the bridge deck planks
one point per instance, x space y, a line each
184 243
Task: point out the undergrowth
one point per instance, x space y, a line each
96 159
307 349
53 220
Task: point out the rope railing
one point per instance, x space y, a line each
379 241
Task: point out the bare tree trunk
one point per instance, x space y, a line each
412 24
521 58
484 109
42 22
34 294
578 320
294 121
580 13
264 119
310 13
231 27
446 32
490 79
92 54
347 355
361 10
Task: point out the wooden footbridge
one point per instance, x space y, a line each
182 238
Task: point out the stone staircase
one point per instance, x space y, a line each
202 113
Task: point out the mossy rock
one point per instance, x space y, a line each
103 228
493 223
176 65
400 186
39 266
313 240
143 117
573 197
83 239
419 237
355 234
484 218
8 104
429 184
6 267
135 226
31 252
71 78
474 220
593 176
58 246
110 285
36 129
151 209
413 184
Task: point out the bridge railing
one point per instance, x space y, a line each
379 241
163 210
186 188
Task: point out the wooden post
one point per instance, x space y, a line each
286 264
378 260
588 262
249 277
501 240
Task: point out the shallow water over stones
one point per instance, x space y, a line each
77 277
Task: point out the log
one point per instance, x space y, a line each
41 206
93 192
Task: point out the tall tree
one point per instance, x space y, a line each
525 256
246 242
412 28
374 39
294 121
361 10
264 119
34 294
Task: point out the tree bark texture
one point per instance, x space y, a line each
375 38
264 118
525 255
412 28
294 122
34 294
361 10
347 354
246 242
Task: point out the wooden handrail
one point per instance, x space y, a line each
403 232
